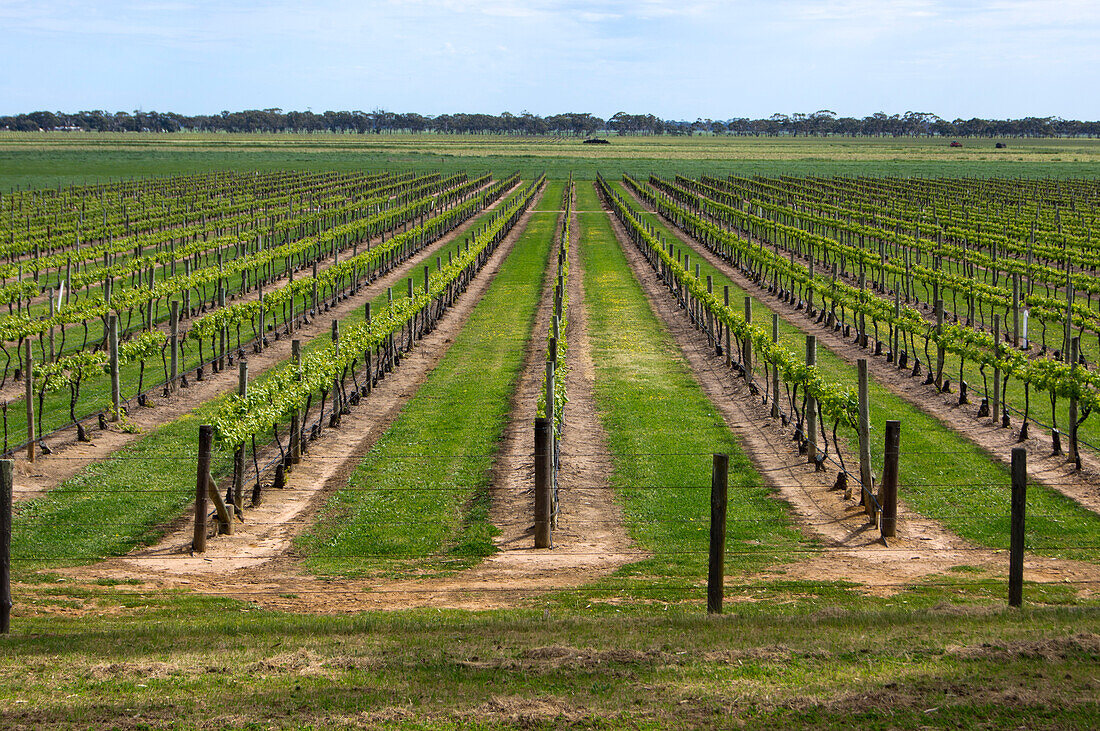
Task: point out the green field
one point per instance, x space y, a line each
36 160
631 648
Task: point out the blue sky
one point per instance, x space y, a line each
677 59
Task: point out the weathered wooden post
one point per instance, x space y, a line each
542 483
6 487
1074 355
551 413
337 393
748 340
174 346
727 343
811 405
237 498
28 379
49 298
939 345
775 368
996 412
1016 538
202 486
295 415
888 493
112 355
716 567
1016 310
865 441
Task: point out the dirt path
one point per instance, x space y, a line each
1053 471
854 550
70 456
590 540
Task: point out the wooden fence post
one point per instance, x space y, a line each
726 329
237 498
1016 310
716 567
112 354
542 484
1016 539
1074 355
174 363
775 369
748 340
202 486
940 352
49 299
865 442
6 486
551 413
996 411
811 405
295 415
888 493
28 370
337 392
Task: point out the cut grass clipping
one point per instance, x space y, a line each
663 430
419 501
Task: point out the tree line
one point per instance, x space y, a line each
820 123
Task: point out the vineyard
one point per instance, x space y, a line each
408 399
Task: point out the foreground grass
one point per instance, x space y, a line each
172 661
662 431
420 497
942 474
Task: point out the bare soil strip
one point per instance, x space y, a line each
590 540
854 551
70 456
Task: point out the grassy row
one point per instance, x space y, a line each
127 499
194 661
420 498
942 475
662 431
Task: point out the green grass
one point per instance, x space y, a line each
37 160
185 660
942 475
420 498
662 431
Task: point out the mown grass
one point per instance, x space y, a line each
942 474
662 432
419 501
129 498
185 660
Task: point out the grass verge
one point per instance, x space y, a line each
662 431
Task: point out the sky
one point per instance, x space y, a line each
677 59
